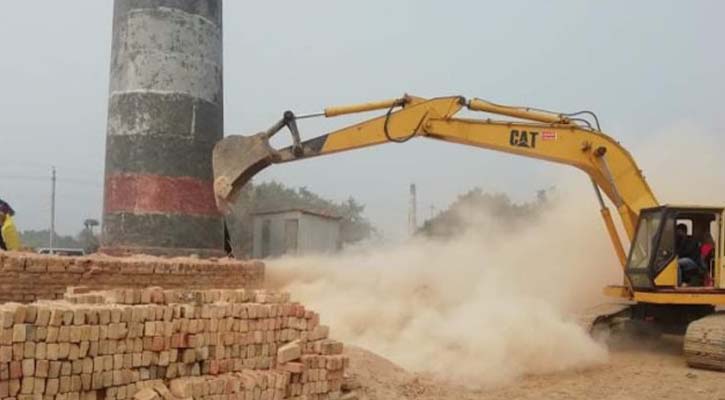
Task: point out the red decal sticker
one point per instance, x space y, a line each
548 135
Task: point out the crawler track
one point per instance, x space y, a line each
705 342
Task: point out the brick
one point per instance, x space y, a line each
29 350
86 381
57 265
6 354
331 347
52 336
26 385
54 369
14 386
289 352
64 384
79 316
6 336
68 316
292 367
28 366
36 267
18 351
63 350
42 368
164 392
7 318
181 387
52 386
146 394
76 383
43 316
4 371
39 386
52 351
14 263
41 333
77 367
319 332
16 370
41 351
20 333
65 368
172 342
64 334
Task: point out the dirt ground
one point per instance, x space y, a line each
653 369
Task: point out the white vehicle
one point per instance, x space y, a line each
63 251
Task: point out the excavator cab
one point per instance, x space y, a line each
653 258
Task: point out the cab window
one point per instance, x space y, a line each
666 248
715 231
687 223
645 240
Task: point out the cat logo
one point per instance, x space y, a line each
523 139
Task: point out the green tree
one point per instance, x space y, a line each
90 223
88 241
41 238
354 226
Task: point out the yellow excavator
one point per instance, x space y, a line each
657 290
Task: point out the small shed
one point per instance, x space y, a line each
294 231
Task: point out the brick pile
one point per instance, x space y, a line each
167 344
26 277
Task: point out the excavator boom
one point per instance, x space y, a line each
555 137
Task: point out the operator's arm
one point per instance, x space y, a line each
10 235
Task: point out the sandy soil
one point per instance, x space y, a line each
645 370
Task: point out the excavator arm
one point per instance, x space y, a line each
559 138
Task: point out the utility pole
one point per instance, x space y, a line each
52 213
413 211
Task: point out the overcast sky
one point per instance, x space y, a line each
642 66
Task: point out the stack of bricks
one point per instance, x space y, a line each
171 344
26 277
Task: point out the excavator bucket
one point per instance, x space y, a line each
236 159
602 316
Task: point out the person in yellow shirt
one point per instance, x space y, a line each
9 237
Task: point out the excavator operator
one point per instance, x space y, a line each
688 256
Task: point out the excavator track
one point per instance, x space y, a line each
705 342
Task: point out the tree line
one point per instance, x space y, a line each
479 210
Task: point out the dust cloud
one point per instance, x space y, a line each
685 166
483 308
493 304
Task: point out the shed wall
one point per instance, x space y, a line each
315 234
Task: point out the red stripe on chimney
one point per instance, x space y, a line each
155 194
